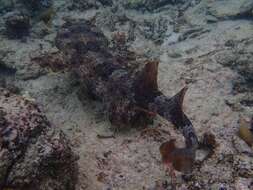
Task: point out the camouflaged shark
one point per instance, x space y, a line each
125 83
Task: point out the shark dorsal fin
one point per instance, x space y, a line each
150 75
179 97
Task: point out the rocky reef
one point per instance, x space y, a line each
33 153
238 56
204 44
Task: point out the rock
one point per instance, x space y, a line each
6 5
209 141
239 58
243 183
160 185
40 30
6 69
244 166
211 19
207 147
37 5
154 29
193 33
32 72
197 15
55 61
245 66
218 187
174 53
231 8
241 146
106 2
207 11
244 132
17 25
201 155
150 5
251 125
47 16
33 154
89 4
83 5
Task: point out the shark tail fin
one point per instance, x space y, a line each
172 110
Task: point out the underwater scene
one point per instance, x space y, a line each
126 94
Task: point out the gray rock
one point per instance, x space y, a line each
6 5
89 4
239 58
193 33
212 11
154 29
218 186
106 2
243 183
201 155
37 5
198 14
32 72
242 147
231 8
